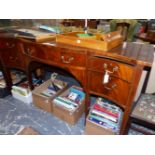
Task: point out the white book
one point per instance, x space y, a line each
104 115
69 107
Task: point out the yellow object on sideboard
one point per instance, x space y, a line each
96 41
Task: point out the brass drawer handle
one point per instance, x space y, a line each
112 87
28 51
13 58
67 61
10 45
115 69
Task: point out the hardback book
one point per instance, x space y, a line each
115 125
104 115
65 104
106 110
64 99
108 105
103 124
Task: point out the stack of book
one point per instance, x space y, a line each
70 99
22 94
106 114
20 91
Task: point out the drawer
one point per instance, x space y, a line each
7 43
56 54
65 56
34 51
114 68
11 58
116 89
73 58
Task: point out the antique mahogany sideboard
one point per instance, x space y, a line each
124 65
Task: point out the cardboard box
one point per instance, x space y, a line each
42 101
28 131
66 115
95 129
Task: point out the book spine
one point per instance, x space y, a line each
67 101
109 106
104 115
103 124
115 125
68 106
102 109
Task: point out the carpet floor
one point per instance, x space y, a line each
15 115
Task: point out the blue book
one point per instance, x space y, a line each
76 95
103 124
115 125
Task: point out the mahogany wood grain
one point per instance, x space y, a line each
114 68
141 53
130 100
116 89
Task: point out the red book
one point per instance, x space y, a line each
102 109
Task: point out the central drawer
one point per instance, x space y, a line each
66 56
114 68
116 89
57 54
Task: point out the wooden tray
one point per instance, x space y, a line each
98 41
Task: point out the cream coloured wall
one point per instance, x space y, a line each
151 82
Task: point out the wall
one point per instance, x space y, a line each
151 82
